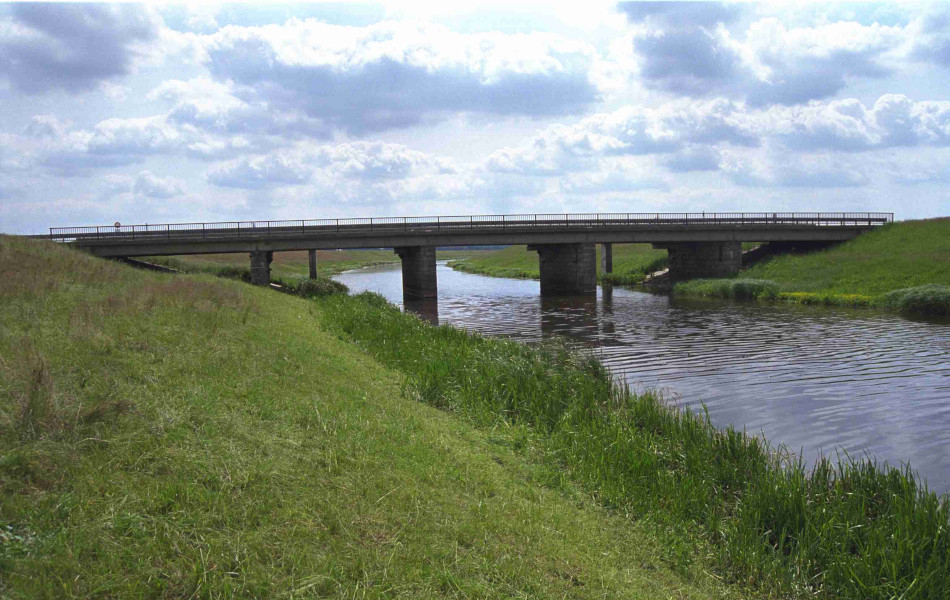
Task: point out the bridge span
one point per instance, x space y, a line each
699 244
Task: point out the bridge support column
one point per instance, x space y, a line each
312 256
567 269
606 258
418 272
260 267
703 259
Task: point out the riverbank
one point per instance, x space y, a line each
223 377
902 266
632 263
188 436
293 265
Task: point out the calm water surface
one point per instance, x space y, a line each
820 380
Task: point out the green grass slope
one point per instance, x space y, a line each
190 437
631 263
898 256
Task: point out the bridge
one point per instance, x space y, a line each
699 244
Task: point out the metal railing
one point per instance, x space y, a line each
264 229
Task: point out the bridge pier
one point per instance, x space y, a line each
606 258
260 267
567 269
418 272
703 259
312 259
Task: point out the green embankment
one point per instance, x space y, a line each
184 436
632 262
172 436
903 266
288 266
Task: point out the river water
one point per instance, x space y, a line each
819 380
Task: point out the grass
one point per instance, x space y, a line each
895 266
288 266
632 262
183 436
854 529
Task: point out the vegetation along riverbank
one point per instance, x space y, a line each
902 266
170 435
187 436
632 263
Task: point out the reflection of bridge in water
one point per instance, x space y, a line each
699 244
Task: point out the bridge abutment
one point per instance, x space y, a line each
567 269
260 267
418 272
703 259
606 258
312 259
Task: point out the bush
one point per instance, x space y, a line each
316 288
931 299
234 273
736 289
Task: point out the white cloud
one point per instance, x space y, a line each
396 74
151 186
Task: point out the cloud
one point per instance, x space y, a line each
398 74
693 158
152 186
688 48
73 47
259 172
779 169
683 14
629 131
932 42
359 161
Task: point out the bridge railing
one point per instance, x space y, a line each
466 222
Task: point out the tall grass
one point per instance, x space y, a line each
849 529
929 299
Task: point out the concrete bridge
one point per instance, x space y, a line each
699 244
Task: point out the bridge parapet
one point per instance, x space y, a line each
258 230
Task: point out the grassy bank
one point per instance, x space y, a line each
852 530
902 266
238 442
288 266
171 436
632 262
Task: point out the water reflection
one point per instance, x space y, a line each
815 378
570 315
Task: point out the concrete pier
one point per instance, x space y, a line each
418 272
606 258
260 267
703 259
312 256
567 269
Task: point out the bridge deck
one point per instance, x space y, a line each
243 236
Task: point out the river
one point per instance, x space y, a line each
819 380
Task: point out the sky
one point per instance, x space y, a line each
199 112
